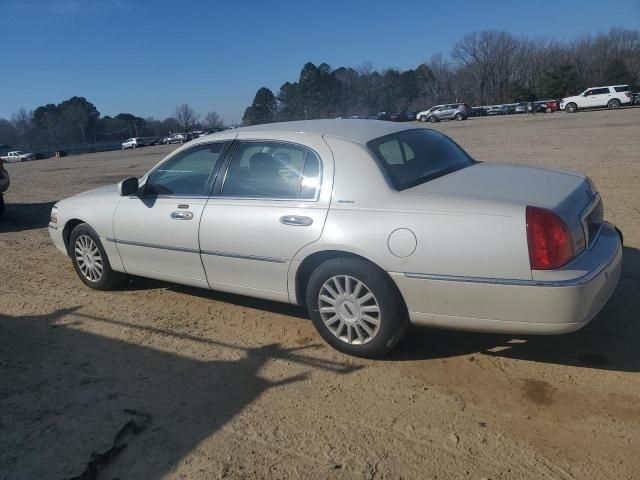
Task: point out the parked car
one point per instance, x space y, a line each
551 106
635 99
17 156
496 110
380 116
5 181
457 111
611 97
411 115
402 116
178 138
132 143
371 225
521 108
479 111
423 115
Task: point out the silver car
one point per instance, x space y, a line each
371 225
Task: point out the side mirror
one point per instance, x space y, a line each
128 187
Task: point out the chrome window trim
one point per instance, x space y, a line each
237 141
572 282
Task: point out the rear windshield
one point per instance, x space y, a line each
416 156
624 88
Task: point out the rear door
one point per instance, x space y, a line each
271 200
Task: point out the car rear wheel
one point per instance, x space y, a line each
571 107
613 104
355 307
90 260
459 116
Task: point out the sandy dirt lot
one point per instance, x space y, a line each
240 388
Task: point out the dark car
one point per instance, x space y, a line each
380 116
398 117
479 112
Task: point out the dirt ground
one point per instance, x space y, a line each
240 388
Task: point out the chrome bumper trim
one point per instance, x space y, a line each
572 282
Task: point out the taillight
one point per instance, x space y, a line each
628 94
550 243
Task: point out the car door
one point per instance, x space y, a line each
156 230
271 201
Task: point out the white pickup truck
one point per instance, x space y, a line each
17 156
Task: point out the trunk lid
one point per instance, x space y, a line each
568 194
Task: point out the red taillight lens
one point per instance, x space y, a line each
550 243
628 94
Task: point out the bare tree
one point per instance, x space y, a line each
186 117
213 121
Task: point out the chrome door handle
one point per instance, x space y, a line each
296 220
182 215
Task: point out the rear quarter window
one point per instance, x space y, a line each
413 157
624 88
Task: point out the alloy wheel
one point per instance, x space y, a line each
349 309
88 258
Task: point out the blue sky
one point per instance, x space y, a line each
147 56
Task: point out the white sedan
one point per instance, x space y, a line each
371 225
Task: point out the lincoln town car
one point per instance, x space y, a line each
370 225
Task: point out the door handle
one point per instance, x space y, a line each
296 220
182 215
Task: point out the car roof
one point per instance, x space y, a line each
357 130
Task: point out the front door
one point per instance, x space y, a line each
272 202
156 231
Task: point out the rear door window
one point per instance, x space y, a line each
272 170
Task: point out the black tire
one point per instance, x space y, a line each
1 205
571 107
432 119
422 118
108 278
459 116
392 316
613 104
548 110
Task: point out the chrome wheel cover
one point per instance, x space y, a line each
88 258
349 310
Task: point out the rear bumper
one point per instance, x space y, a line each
552 303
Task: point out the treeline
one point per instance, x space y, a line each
77 120
483 68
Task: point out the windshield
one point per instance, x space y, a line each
413 157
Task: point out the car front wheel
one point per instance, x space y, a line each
432 119
355 307
422 118
90 260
